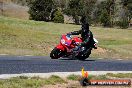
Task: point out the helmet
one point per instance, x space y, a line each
85 26
83 19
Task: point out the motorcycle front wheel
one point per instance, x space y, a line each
56 53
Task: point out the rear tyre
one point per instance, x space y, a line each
84 55
56 53
82 58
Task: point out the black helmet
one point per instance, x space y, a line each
83 19
85 26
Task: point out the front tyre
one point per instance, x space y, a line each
56 53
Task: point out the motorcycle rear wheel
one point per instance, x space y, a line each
83 55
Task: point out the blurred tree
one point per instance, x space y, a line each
40 10
105 13
126 14
88 8
105 18
58 16
74 9
79 8
61 3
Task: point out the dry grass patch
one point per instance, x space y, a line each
10 9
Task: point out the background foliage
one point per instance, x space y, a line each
107 13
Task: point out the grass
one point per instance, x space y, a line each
100 77
37 82
120 75
78 77
73 77
54 80
26 82
27 37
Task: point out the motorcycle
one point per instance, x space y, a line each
68 48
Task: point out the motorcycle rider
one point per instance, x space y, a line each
86 35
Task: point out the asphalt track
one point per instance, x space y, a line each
37 64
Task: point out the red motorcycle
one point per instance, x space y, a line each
68 47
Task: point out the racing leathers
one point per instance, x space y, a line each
87 37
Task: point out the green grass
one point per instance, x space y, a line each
26 82
27 37
100 77
117 42
120 75
78 77
73 77
37 82
54 80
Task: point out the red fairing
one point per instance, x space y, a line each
66 43
61 47
77 39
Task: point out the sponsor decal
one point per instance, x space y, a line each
85 81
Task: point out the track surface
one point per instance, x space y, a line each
30 64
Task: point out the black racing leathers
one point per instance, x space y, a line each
87 37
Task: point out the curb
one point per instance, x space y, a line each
60 74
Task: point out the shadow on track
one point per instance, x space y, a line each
75 59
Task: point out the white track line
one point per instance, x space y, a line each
119 59
28 55
60 74
3 54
